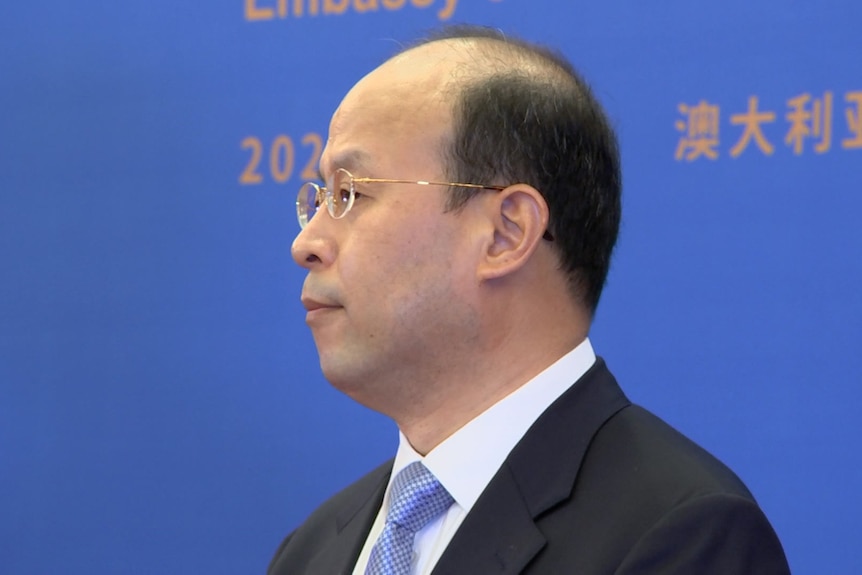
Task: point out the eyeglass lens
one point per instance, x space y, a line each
338 197
308 202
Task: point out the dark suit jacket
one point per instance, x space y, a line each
597 485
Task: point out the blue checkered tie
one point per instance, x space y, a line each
417 499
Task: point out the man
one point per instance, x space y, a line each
455 261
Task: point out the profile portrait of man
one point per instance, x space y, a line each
455 253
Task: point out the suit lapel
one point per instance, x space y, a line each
352 524
499 535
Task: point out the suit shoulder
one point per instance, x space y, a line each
358 491
300 546
653 455
346 500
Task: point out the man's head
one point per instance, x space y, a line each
419 289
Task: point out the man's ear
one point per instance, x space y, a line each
519 215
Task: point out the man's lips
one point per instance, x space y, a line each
311 304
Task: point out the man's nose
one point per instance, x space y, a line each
314 245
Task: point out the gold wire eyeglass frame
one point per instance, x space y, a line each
311 195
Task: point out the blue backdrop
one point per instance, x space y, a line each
161 406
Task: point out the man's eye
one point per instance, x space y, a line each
344 196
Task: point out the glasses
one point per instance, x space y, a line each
341 193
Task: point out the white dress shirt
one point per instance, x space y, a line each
467 460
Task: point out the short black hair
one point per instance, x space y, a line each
523 114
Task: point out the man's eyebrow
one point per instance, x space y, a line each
351 160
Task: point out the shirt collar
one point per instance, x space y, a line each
468 459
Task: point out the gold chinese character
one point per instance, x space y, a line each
752 120
700 131
854 121
813 123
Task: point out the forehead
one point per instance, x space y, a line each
398 114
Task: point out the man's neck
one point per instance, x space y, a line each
464 397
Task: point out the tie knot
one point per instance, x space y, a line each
417 498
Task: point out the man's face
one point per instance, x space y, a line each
390 289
